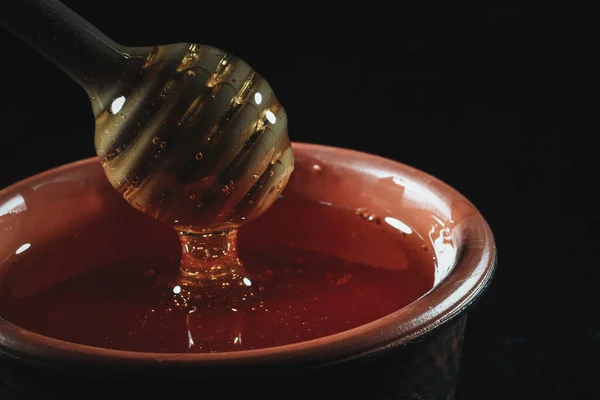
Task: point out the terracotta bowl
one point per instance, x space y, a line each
411 353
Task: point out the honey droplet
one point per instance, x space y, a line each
372 218
155 140
362 213
343 280
198 156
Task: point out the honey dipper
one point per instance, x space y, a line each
186 133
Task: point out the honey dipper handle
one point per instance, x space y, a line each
66 39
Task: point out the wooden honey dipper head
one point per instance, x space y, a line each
196 139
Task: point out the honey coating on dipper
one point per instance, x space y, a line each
196 139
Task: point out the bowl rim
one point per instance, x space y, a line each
451 298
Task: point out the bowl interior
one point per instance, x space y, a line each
72 201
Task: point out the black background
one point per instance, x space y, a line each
497 102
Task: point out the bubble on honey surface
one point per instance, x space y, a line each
199 205
317 168
192 196
156 140
255 177
375 219
225 188
163 145
364 214
198 156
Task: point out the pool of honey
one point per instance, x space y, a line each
314 269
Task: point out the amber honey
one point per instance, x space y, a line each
321 271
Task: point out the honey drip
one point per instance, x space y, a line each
211 273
